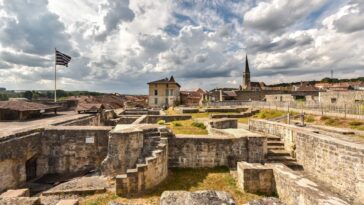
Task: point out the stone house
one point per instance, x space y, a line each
164 93
22 110
193 98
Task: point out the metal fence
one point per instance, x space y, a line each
344 110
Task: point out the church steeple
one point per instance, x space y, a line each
246 75
246 64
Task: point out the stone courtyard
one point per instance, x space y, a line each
126 154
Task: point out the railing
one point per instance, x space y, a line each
343 110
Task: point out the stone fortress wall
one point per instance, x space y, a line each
338 164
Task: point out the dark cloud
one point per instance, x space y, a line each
31 28
25 59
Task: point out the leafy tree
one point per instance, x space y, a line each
28 95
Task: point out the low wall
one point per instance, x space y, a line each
71 149
337 163
199 151
292 187
189 110
152 119
224 123
14 153
241 115
93 120
221 109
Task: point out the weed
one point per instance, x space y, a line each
176 124
199 125
161 122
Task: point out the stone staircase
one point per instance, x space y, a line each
277 154
151 167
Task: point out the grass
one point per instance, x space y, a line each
182 179
269 114
335 122
187 127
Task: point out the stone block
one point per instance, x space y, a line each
256 178
68 202
15 193
20 201
198 197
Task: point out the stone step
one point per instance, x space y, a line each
270 147
276 159
275 143
277 153
271 138
293 165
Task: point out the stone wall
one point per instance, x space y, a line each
93 120
124 149
14 153
337 163
224 123
341 98
207 151
293 188
152 119
147 175
71 149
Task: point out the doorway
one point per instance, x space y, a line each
31 168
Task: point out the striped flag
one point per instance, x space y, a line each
62 59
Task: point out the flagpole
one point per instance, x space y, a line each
55 75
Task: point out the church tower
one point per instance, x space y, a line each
246 76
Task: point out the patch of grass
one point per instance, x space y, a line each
171 111
161 122
269 114
176 124
186 127
355 123
218 178
243 120
199 125
309 119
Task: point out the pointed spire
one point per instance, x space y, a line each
247 70
172 79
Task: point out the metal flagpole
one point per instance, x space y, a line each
55 75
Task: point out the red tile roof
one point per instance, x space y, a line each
24 106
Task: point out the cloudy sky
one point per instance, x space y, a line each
119 45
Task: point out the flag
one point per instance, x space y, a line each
62 59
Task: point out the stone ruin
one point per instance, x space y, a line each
46 165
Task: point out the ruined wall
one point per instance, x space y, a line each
70 149
14 153
224 123
124 149
199 151
324 157
152 119
145 176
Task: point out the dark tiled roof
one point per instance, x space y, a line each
89 106
165 81
24 106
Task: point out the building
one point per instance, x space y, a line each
247 85
193 98
164 93
22 110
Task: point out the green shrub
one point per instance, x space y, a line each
310 118
176 124
161 122
199 125
355 123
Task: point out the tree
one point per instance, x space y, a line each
28 95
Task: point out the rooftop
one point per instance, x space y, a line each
24 106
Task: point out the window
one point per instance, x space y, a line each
171 92
155 92
156 101
333 100
167 92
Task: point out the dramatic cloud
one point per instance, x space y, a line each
118 46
